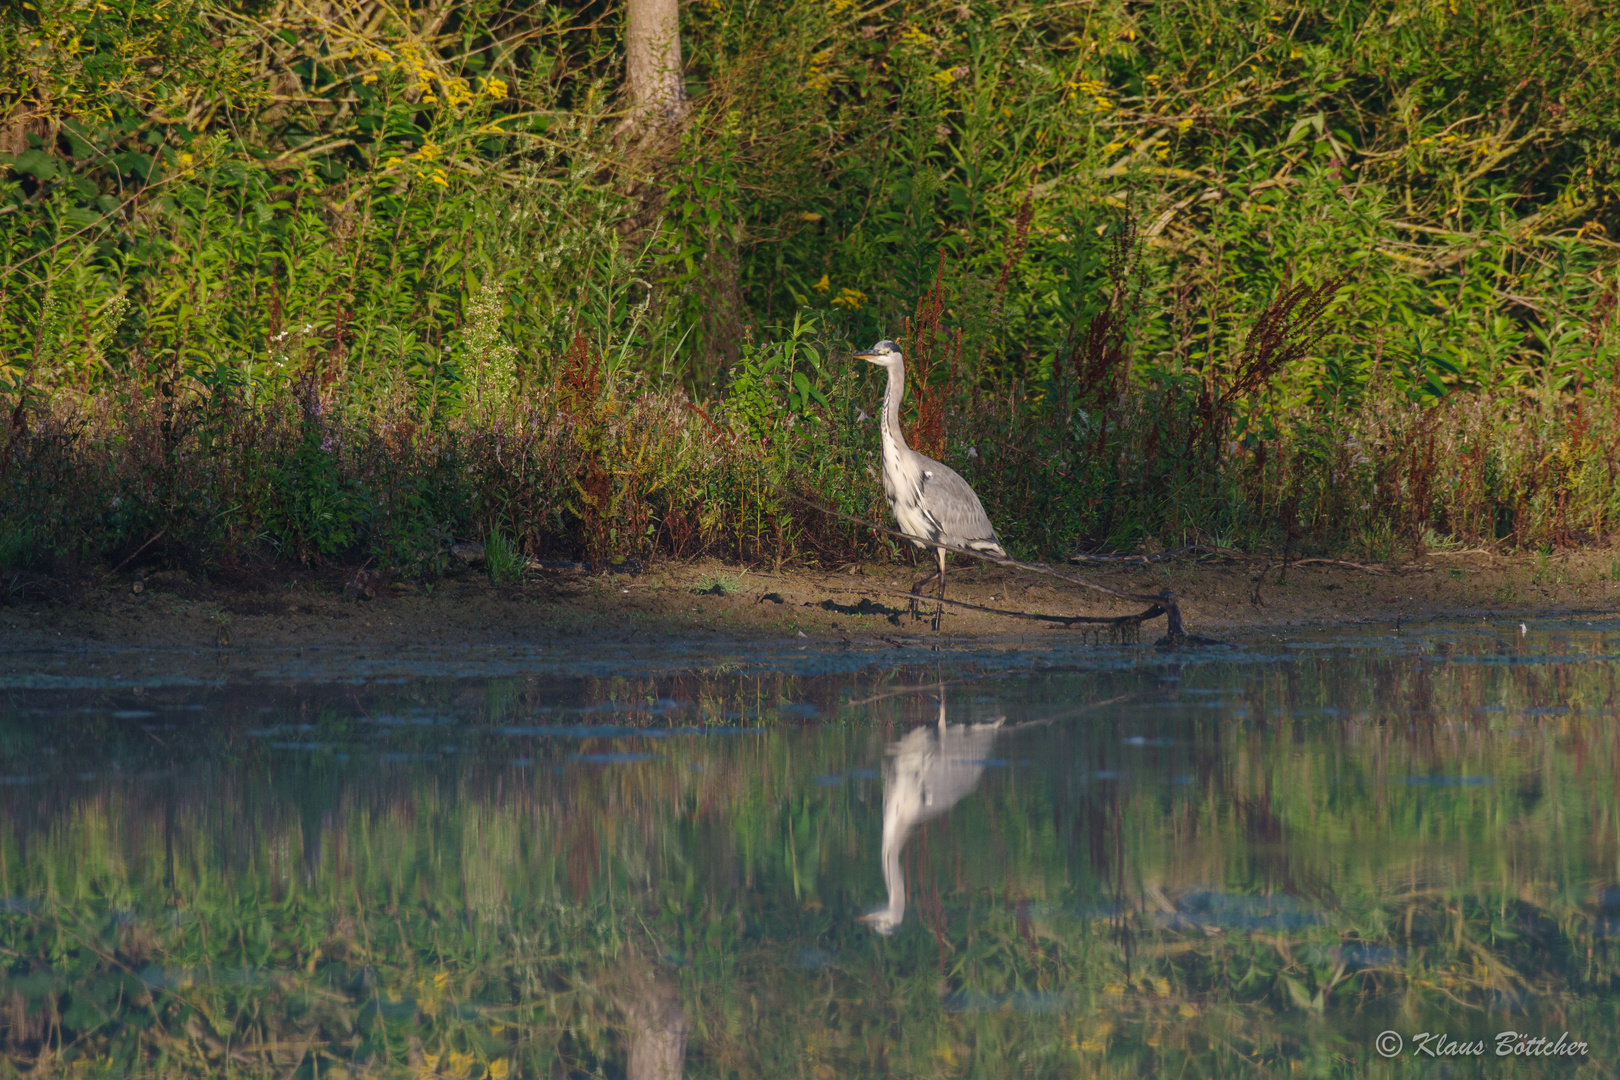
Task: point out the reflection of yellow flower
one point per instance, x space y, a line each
853 299
1097 1041
823 285
499 1069
816 77
459 1065
1187 1011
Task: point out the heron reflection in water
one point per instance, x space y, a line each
925 773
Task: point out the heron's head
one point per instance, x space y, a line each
883 920
884 354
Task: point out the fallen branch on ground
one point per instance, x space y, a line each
1165 600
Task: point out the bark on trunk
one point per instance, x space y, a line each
653 61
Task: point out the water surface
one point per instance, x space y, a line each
815 864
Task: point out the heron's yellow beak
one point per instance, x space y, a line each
871 356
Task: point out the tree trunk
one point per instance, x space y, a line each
653 61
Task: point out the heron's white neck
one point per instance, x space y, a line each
894 838
893 440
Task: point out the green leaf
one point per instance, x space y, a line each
36 163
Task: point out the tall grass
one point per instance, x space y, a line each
345 255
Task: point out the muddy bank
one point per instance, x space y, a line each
690 602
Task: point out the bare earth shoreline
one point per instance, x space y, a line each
691 602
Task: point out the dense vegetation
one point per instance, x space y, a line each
353 280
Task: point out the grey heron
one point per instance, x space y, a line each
925 773
931 503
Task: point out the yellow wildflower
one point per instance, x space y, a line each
823 285
368 78
185 160
1184 123
495 89
439 178
429 152
456 91
853 299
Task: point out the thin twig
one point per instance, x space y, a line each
155 537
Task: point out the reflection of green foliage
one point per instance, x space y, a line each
284 905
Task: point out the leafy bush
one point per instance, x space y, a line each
230 238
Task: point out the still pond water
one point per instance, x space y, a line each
1271 860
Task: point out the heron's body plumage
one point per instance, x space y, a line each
930 500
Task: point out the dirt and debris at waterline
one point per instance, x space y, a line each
692 600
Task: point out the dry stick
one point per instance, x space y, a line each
155 538
1164 599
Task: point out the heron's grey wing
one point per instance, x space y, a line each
952 504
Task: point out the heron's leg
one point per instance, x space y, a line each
939 609
916 591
